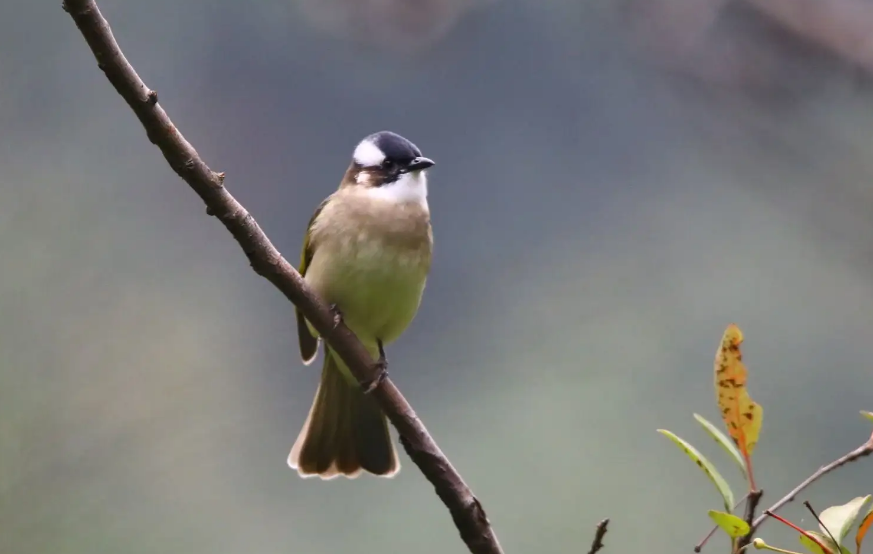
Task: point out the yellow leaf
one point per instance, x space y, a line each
823 540
740 413
734 526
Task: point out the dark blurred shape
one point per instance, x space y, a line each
757 47
400 26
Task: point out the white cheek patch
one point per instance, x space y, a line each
368 154
409 187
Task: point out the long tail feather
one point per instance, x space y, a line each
345 432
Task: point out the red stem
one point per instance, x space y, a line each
752 487
799 530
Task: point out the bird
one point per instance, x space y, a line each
367 253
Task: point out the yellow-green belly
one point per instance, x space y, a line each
377 287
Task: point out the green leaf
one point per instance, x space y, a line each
723 441
706 466
839 519
863 527
868 415
734 526
825 540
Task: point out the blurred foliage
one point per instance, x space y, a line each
743 419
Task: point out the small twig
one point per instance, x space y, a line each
599 533
699 546
818 519
864 450
751 505
467 512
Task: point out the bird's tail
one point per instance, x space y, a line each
345 432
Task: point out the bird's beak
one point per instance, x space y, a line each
419 163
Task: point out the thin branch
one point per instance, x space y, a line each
467 512
751 505
599 533
864 450
699 546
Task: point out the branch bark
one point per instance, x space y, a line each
599 533
468 515
752 500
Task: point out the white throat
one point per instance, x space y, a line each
409 187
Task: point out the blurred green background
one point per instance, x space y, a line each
599 219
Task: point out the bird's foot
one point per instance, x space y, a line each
381 367
337 315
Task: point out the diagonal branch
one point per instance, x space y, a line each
864 450
467 512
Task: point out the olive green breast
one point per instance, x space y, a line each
371 259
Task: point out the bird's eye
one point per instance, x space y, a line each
388 164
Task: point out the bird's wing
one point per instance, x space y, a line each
308 343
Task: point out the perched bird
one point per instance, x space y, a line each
367 253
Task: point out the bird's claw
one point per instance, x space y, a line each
381 366
337 315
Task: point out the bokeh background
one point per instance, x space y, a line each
616 182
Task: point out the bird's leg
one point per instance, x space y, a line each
381 366
337 316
